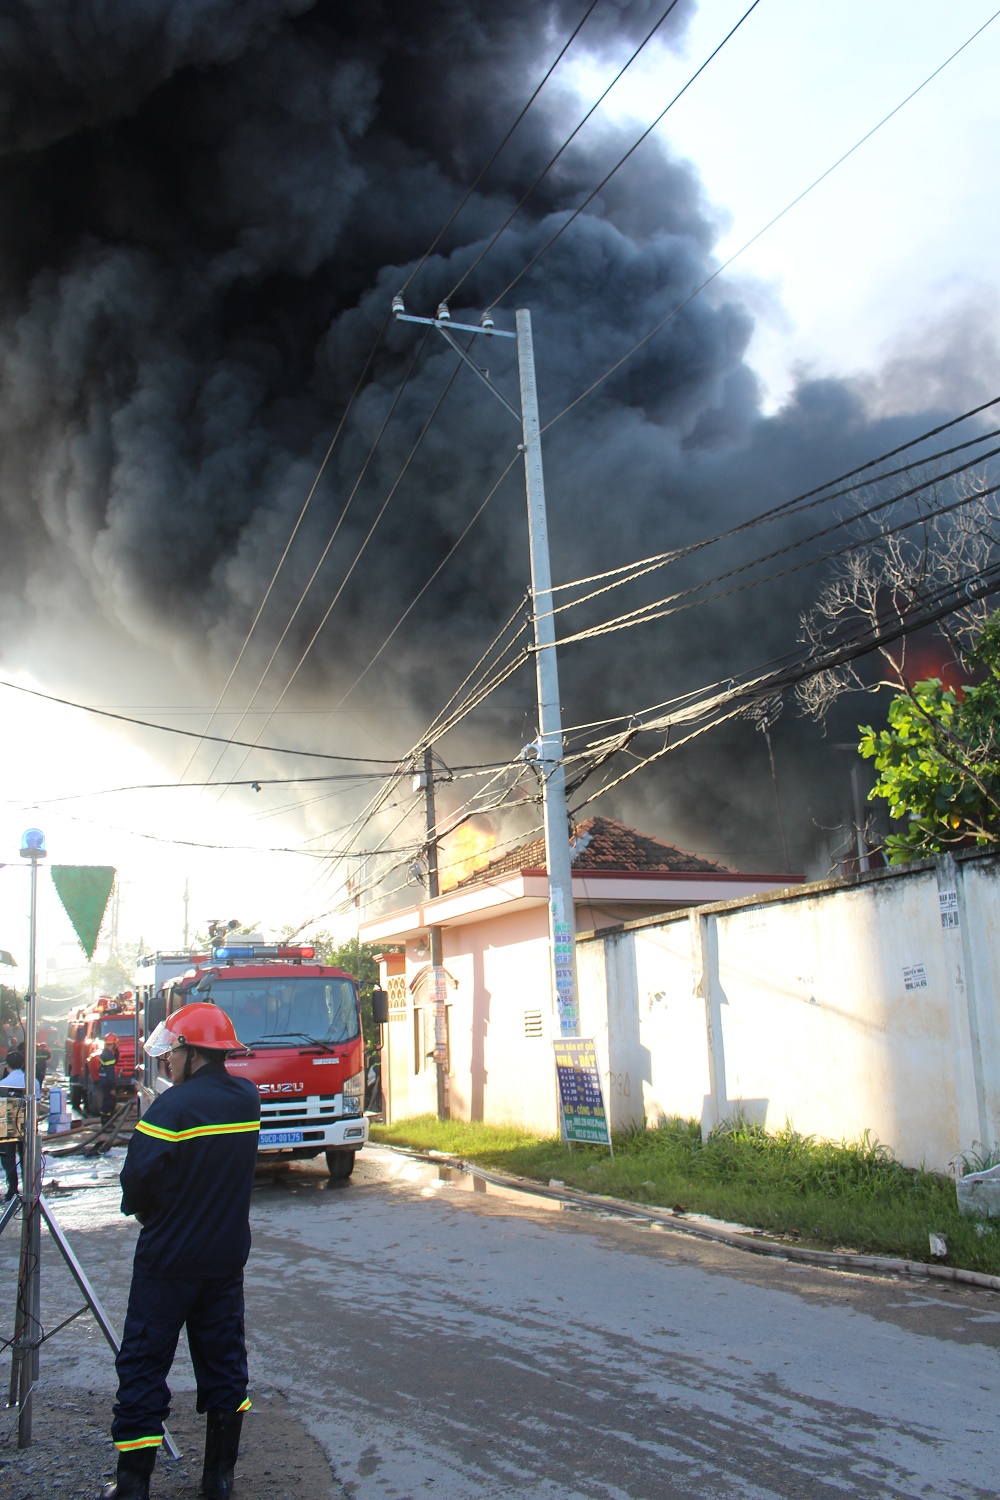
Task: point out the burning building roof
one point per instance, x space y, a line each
603 845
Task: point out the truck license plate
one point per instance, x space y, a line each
281 1138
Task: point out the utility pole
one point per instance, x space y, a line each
858 829
861 846
187 902
764 725
547 752
28 1334
113 936
425 781
558 859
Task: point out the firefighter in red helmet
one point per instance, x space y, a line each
107 1076
187 1178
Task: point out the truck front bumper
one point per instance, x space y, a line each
308 1137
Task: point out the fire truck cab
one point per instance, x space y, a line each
303 1049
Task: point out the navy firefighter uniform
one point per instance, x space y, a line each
187 1178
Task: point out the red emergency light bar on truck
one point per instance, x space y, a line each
300 1025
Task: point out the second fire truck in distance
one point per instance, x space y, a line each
300 1025
86 1030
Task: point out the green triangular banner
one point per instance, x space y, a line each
84 891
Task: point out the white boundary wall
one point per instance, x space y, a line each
839 1007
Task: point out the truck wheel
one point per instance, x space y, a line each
340 1163
77 1097
93 1099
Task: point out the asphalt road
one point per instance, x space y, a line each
434 1338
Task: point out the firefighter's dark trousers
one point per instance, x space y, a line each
9 1153
158 1309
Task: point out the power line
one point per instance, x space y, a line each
441 724
329 543
948 597
760 232
433 729
486 167
370 533
294 532
673 603
378 338
411 854
194 734
552 160
423 589
356 778
622 160
157 838
628 572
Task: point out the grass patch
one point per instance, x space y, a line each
854 1195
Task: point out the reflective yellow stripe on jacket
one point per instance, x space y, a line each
235 1127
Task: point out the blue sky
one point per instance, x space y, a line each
904 234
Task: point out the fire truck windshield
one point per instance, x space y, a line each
120 1025
269 1012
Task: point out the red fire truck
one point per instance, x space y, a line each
300 1025
86 1030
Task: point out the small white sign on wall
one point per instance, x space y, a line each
914 977
948 903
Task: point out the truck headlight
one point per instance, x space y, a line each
354 1094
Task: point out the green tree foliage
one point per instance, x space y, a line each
118 972
10 1006
358 960
939 758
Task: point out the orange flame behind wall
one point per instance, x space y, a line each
467 850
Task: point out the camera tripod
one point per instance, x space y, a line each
28 1335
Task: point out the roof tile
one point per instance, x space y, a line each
606 845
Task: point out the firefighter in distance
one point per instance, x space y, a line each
107 1076
187 1178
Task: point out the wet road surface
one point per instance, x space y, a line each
439 1337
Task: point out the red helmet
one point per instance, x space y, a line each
200 1025
111 1037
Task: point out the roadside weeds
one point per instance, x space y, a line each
836 1202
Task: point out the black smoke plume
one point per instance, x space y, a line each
207 207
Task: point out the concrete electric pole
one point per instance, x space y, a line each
549 745
425 783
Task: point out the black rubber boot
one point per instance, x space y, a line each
222 1449
132 1481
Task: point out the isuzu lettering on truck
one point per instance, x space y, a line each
300 1025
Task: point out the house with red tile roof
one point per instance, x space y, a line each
494 926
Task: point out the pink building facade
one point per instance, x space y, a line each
496 958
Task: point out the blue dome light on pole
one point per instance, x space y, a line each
33 844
